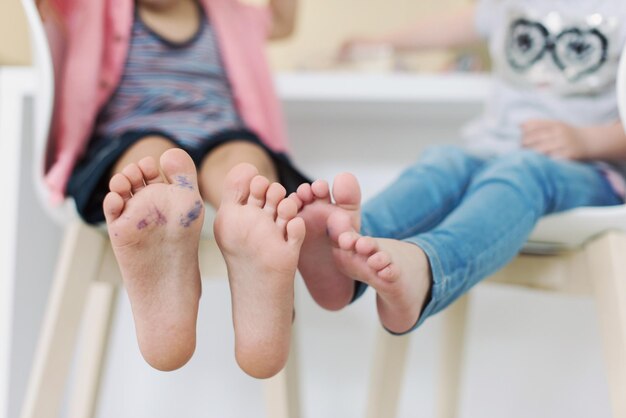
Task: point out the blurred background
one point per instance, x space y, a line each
528 354
324 25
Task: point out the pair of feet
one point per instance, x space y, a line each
155 218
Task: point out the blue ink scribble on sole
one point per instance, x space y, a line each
192 215
183 182
160 219
155 217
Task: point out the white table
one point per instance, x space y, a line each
377 88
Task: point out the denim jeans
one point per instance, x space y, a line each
471 216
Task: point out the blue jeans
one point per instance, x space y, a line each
471 216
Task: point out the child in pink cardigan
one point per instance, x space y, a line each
163 105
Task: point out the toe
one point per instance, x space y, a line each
175 161
112 206
299 203
237 183
320 190
150 170
134 176
337 223
347 240
275 194
179 169
304 193
379 260
346 191
286 211
296 232
366 246
120 184
258 189
388 273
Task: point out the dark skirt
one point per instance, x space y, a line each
89 182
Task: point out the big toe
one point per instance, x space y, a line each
338 222
179 168
237 183
346 191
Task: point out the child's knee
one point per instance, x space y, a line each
524 170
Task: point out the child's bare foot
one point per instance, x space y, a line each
260 237
399 272
154 224
329 287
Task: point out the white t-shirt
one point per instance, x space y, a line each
552 59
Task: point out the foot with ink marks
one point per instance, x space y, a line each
260 237
328 286
154 222
399 271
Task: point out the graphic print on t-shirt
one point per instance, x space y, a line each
577 52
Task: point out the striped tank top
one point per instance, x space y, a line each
178 89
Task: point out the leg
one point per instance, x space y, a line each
222 159
94 342
451 359
499 210
78 266
501 207
609 279
387 375
154 222
282 392
415 202
390 364
150 146
422 196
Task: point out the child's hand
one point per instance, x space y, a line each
555 139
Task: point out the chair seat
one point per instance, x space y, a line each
572 229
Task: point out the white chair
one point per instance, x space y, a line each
85 288
582 251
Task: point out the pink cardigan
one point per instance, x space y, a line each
89 40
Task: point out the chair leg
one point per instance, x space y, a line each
78 266
387 374
93 346
449 372
282 392
608 274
